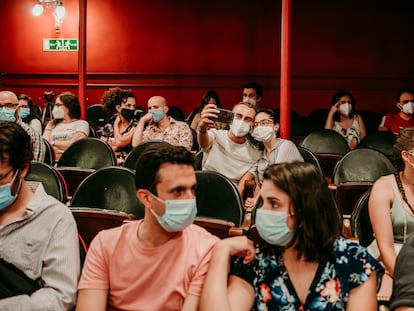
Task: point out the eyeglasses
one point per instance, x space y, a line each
9 105
263 122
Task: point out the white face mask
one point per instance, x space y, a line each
408 108
263 133
345 109
239 128
58 112
249 100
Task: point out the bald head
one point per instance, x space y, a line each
157 102
7 98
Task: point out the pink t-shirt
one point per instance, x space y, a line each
140 278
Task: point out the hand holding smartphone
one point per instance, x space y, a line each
225 116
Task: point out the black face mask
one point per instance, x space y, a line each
128 114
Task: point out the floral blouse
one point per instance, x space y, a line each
329 289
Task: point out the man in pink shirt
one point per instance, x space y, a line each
160 262
397 121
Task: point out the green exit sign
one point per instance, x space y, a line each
60 44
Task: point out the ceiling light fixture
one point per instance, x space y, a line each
59 11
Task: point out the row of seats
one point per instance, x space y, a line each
113 188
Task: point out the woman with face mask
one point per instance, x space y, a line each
301 261
342 119
29 114
274 149
121 105
391 205
66 127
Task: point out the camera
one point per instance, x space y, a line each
225 116
138 113
49 96
130 114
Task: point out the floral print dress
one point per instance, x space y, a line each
329 289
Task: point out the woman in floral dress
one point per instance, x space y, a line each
302 262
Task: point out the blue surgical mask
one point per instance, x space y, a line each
24 112
272 226
6 196
157 115
179 214
7 114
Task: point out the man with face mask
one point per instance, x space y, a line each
156 124
397 121
9 111
252 93
38 234
160 262
229 152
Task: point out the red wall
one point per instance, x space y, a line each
181 48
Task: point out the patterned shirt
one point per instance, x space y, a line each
178 133
329 289
39 148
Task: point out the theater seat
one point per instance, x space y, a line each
381 141
132 158
309 157
360 223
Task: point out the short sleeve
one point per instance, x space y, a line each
83 127
358 262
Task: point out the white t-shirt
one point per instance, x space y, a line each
66 131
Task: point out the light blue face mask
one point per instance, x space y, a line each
24 112
6 196
7 114
157 115
179 214
272 226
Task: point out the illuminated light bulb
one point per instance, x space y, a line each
60 12
37 10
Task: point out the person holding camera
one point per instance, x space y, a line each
66 127
157 125
121 105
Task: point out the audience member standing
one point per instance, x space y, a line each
395 122
38 234
157 125
65 128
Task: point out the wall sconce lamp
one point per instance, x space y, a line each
59 11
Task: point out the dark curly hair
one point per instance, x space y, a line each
113 97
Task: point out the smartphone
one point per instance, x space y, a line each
225 116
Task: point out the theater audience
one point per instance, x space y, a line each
156 124
395 122
274 149
10 112
160 262
229 152
122 107
38 234
343 119
302 263
29 114
65 128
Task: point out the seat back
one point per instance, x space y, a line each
88 152
50 156
325 141
132 158
198 162
218 197
97 116
347 194
51 179
360 223
73 176
309 157
90 221
362 165
111 188
382 141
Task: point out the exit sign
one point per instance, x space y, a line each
60 44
